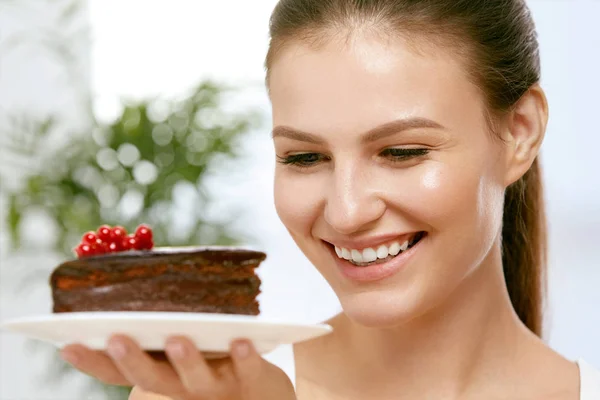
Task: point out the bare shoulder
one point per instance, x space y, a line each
313 361
309 354
139 394
567 378
552 375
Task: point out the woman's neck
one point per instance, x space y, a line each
446 353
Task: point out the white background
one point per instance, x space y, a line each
143 48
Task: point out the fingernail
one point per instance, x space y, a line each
241 349
70 357
117 350
176 350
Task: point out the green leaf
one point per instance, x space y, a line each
14 220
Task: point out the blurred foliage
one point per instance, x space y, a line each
135 169
129 172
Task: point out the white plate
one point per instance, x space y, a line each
212 333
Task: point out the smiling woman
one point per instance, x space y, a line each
407 135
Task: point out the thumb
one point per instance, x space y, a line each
259 379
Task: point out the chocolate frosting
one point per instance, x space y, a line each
210 253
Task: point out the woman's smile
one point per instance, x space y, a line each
379 261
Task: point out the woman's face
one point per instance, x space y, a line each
388 179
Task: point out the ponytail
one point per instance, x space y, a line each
524 247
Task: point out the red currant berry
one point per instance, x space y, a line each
143 233
77 251
115 247
139 244
147 245
104 233
129 243
100 247
84 250
117 234
89 238
93 249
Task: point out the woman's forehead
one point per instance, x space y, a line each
368 83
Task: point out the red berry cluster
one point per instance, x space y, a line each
114 239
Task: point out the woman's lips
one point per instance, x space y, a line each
376 271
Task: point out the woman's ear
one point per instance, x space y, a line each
524 133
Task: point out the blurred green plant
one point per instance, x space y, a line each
131 171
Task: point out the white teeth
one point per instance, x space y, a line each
357 256
369 255
338 252
346 254
382 252
394 249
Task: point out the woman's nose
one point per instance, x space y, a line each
353 203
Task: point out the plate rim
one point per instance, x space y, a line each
159 315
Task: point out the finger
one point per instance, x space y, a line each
139 394
257 378
194 372
141 370
94 363
248 365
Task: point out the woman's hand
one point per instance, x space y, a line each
187 375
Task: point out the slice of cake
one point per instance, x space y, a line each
178 279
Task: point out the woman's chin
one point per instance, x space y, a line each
378 310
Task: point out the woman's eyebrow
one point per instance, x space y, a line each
378 133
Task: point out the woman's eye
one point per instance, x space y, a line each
302 160
311 159
402 154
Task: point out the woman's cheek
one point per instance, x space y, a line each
460 206
298 198
431 179
436 196
423 194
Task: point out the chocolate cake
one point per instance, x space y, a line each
185 279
